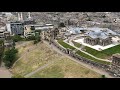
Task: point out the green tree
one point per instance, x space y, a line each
32 37
1 50
10 57
37 37
17 38
103 76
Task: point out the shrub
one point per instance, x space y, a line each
17 76
103 76
31 37
17 38
10 57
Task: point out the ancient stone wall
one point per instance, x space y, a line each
107 68
78 57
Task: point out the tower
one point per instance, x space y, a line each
21 16
29 17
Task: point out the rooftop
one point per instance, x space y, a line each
93 32
102 33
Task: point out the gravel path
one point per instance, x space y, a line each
39 69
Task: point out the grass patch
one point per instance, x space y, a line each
76 44
96 53
53 72
81 53
66 68
35 59
65 45
104 53
91 58
112 50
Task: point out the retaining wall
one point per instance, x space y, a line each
82 59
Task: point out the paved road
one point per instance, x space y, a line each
102 72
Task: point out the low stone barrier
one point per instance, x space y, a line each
82 59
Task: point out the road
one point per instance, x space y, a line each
100 71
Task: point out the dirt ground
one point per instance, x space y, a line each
4 73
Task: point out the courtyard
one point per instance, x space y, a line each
79 35
99 47
76 40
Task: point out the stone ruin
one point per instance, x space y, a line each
115 66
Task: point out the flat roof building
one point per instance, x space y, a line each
15 28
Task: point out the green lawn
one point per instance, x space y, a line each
65 45
81 53
113 50
105 53
96 53
91 58
66 68
38 57
52 72
76 44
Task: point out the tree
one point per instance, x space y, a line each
37 37
17 38
10 57
32 37
61 24
1 50
103 76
